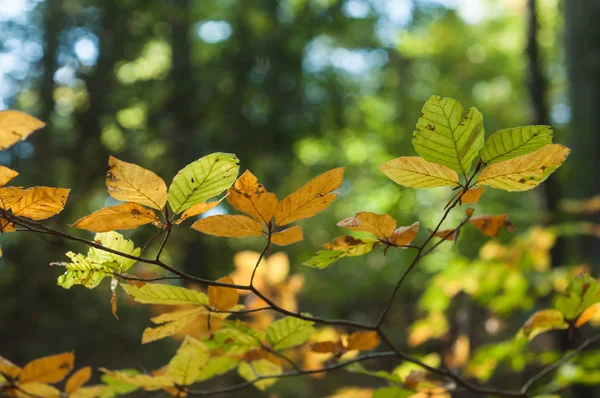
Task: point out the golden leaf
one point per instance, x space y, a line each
363 341
471 196
459 355
491 225
543 321
89 392
312 198
325 347
592 313
404 235
16 126
524 172
50 369
416 172
10 195
147 382
380 226
38 203
125 216
196 209
287 236
6 175
170 327
223 298
250 197
132 183
8 368
78 379
29 390
233 226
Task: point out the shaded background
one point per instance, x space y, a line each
294 88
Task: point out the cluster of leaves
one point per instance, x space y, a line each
261 349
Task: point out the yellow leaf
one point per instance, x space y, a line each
147 382
471 196
233 226
78 379
89 392
196 209
6 175
184 368
250 197
39 203
132 183
459 355
10 195
363 341
50 369
156 293
312 198
287 236
223 298
416 172
404 235
169 328
380 226
125 216
8 368
524 172
29 390
592 313
491 225
543 321
16 126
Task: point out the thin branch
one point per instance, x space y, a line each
163 244
280 355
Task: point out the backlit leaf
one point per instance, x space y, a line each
542 321
8 368
471 196
591 313
343 246
202 179
78 379
525 172
393 392
28 390
448 234
312 198
169 328
323 258
233 226
197 209
10 195
325 347
217 366
129 182
83 271
517 141
50 369
237 338
444 136
404 235
184 367
89 392
39 203
154 293
581 293
223 298
125 216
288 332
6 175
491 225
416 172
363 341
287 236
16 126
262 367
115 241
147 382
250 197
380 226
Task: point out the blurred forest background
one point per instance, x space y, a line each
294 88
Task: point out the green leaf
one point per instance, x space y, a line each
154 293
323 258
582 292
358 368
82 271
444 136
202 179
517 141
289 332
116 387
184 367
116 241
237 338
217 366
392 392
343 246
543 321
262 367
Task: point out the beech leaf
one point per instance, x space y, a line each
197 209
471 196
491 225
6 175
16 126
287 236
125 216
129 182
380 226
363 341
154 293
250 197
223 298
232 226
50 369
39 203
517 141
416 172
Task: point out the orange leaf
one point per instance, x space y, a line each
78 379
10 195
591 313
223 298
6 175
250 197
363 341
459 355
380 226
8 368
16 126
404 235
312 198
543 321
196 209
50 369
471 196
234 226
132 183
125 216
491 225
325 347
448 234
287 236
38 203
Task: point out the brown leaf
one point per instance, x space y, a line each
380 226
38 203
325 347
250 197
312 198
6 175
125 216
471 196
50 369
197 209
448 234
491 225
343 243
404 235
16 126
287 236
363 341
78 379
234 226
132 183
223 298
